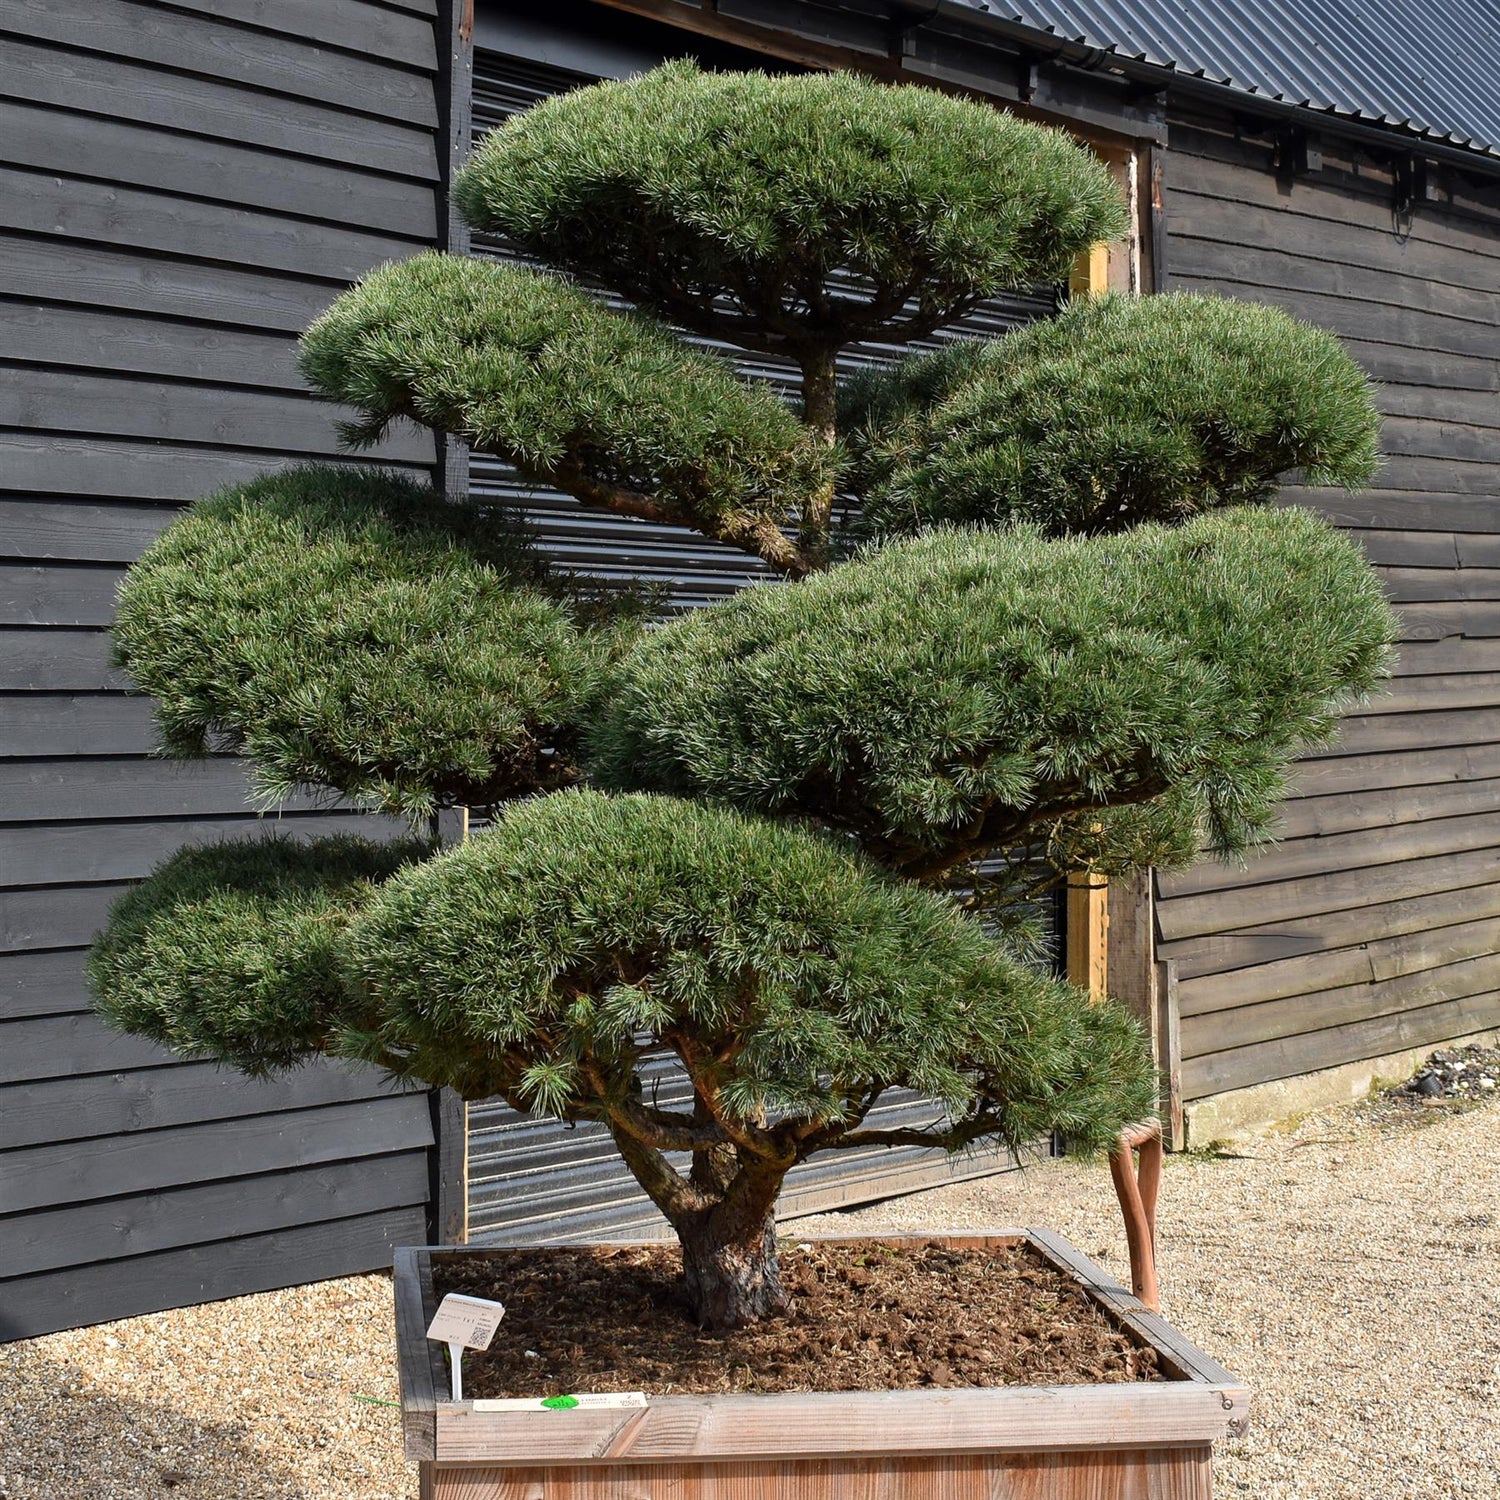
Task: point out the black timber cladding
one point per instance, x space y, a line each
1372 927
534 1178
184 187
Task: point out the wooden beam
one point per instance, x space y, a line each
1088 933
1132 948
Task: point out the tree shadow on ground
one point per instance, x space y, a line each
63 1436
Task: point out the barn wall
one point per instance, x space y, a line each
1371 929
184 187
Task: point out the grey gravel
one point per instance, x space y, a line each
1348 1269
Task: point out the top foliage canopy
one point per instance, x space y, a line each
741 205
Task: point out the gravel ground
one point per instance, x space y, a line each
1348 1269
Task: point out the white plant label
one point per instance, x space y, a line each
469 1321
464 1323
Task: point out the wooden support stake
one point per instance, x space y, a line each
1088 933
1168 1041
1090 276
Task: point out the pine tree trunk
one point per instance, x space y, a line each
729 1260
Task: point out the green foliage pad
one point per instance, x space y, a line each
235 951
608 406
1119 411
352 631
798 980
790 213
947 694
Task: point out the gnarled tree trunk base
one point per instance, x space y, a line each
733 1279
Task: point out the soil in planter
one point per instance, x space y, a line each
863 1317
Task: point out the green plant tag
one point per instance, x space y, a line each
560 1403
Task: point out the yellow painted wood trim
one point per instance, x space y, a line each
1088 933
1090 276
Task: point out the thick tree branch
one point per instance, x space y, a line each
747 532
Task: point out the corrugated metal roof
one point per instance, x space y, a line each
1430 67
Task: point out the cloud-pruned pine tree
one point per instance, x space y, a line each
1058 626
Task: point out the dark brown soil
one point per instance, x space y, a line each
863 1317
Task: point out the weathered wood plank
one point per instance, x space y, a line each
352 25
1222 1030
194 44
410 1273
38 854
78 530
80 1234
1402 768
1451 654
135 218
145 1161
1395 509
70 1046
1303 817
66 595
52 917
97 340
47 464
1365 963
51 724
1434 438
82 787
51 140
1199 915
1420 585
126 91
797 1425
48 1110
41 984
1358 849
32 1305
1203 232
1377 323
36 658
1308 1052
120 406
1379 734
1349 225
214 295
1157 1473
1251 944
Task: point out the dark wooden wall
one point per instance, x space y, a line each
1375 926
185 185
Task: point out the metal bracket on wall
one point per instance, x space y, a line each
1297 152
1408 188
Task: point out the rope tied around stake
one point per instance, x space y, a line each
1137 1188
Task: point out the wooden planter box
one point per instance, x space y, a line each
1146 1441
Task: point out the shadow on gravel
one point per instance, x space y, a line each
64 1438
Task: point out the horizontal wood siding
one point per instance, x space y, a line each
185 186
1374 925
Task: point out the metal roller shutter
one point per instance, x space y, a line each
530 1179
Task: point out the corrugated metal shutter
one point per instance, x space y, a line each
528 1178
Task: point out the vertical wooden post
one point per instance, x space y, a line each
1090 276
1132 950
1167 1039
1088 933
